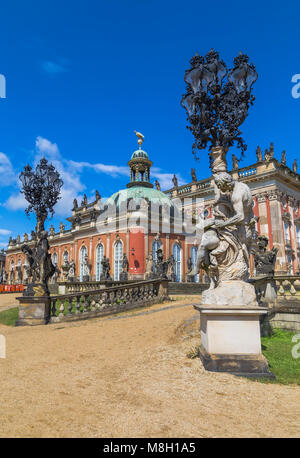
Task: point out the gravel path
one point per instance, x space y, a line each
131 378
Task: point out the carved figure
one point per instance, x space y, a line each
295 167
175 181
105 269
228 236
75 205
125 268
264 260
235 162
259 154
193 173
171 269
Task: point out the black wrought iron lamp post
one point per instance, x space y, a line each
41 188
217 101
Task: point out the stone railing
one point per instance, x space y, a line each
106 301
281 294
184 190
278 288
247 171
78 286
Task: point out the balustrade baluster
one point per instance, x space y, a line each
281 289
70 305
292 289
77 305
53 307
62 309
85 304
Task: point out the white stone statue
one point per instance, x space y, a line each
228 235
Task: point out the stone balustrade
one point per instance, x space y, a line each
78 286
108 300
282 296
278 288
247 171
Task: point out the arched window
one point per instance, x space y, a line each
177 257
83 254
118 256
66 257
155 246
194 251
19 271
12 272
54 258
99 257
286 233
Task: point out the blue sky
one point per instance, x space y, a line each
82 76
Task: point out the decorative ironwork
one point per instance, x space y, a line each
41 189
216 106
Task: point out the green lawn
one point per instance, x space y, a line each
278 350
9 317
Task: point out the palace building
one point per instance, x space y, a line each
138 220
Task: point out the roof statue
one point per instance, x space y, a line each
140 138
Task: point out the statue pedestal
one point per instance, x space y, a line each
33 310
230 330
230 340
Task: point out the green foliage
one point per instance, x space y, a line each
9 317
277 348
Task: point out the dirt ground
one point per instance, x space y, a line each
9 300
129 376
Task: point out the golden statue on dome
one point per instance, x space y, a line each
140 138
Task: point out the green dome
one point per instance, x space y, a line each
139 153
137 193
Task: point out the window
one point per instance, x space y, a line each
286 233
99 257
194 252
54 259
177 257
298 235
155 246
118 256
66 257
83 254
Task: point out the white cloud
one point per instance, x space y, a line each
165 179
72 187
44 146
6 171
71 172
113 170
16 202
4 232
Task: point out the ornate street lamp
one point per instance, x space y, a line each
217 106
217 102
41 188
